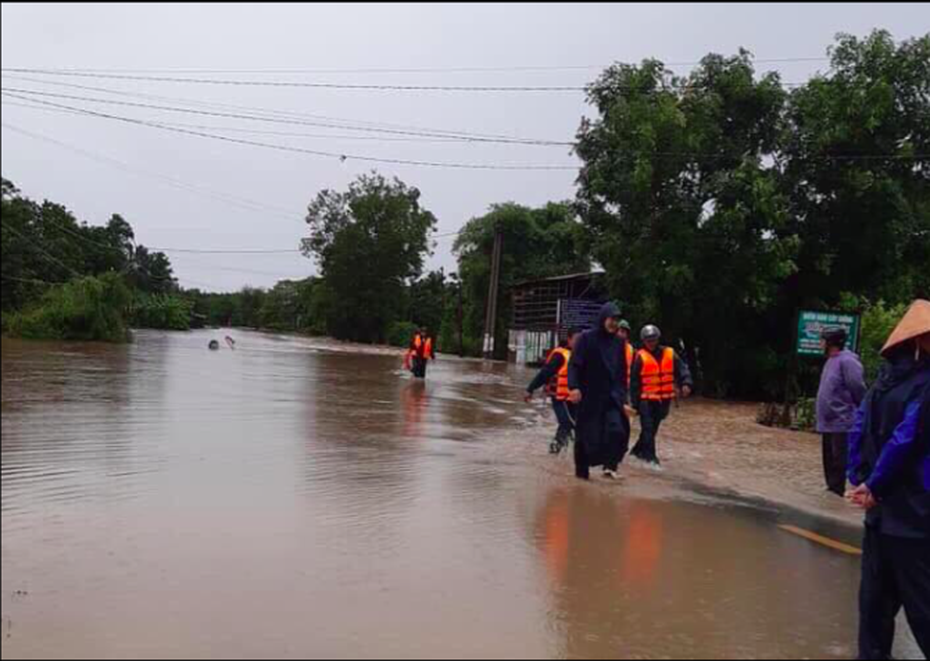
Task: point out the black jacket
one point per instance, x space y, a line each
598 365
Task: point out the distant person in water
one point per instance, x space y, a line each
214 345
231 342
420 352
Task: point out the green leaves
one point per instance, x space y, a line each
371 242
719 202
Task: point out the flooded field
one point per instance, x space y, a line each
295 498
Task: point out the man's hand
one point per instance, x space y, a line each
574 397
862 498
630 411
686 391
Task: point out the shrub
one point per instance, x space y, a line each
400 332
90 308
161 311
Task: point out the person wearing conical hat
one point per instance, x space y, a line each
890 468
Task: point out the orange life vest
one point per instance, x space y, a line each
658 377
630 357
428 348
558 385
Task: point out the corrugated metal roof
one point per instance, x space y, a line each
572 276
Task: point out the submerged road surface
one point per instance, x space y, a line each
294 498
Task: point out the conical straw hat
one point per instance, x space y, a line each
914 324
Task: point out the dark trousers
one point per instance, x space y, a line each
616 440
895 574
651 415
565 414
419 367
835 460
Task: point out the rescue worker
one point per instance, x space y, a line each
842 387
889 464
554 375
625 332
657 372
597 385
421 350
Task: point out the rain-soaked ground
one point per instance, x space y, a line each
294 498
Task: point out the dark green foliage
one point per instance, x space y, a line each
88 308
400 333
161 311
370 242
537 243
720 204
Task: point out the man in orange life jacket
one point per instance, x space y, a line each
421 351
657 372
554 375
624 332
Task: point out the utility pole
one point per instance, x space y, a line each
461 322
490 320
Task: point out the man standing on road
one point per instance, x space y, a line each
597 381
657 372
554 375
421 351
842 388
889 464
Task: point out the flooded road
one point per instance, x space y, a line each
292 498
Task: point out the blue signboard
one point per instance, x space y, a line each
578 313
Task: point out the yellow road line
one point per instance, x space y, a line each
823 541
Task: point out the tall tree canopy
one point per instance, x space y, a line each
370 241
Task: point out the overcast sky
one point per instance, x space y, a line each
186 191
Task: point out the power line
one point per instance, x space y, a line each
122 166
280 120
339 86
382 70
313 152
287 134
31 281
244 203
303 84
234 251
341 123
44 252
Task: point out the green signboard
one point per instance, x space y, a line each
812 323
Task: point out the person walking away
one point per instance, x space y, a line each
554 375
597 385
842 387
657 372
889 464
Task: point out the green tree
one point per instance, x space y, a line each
680 195
151 272
371 241
427 298
859 187
537 243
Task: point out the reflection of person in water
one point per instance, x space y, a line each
593 550
414 398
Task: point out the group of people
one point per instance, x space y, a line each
597 379
879 439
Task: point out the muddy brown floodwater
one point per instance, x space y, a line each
293 498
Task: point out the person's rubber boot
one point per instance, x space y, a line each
560 442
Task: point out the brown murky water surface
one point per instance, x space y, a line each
292 499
